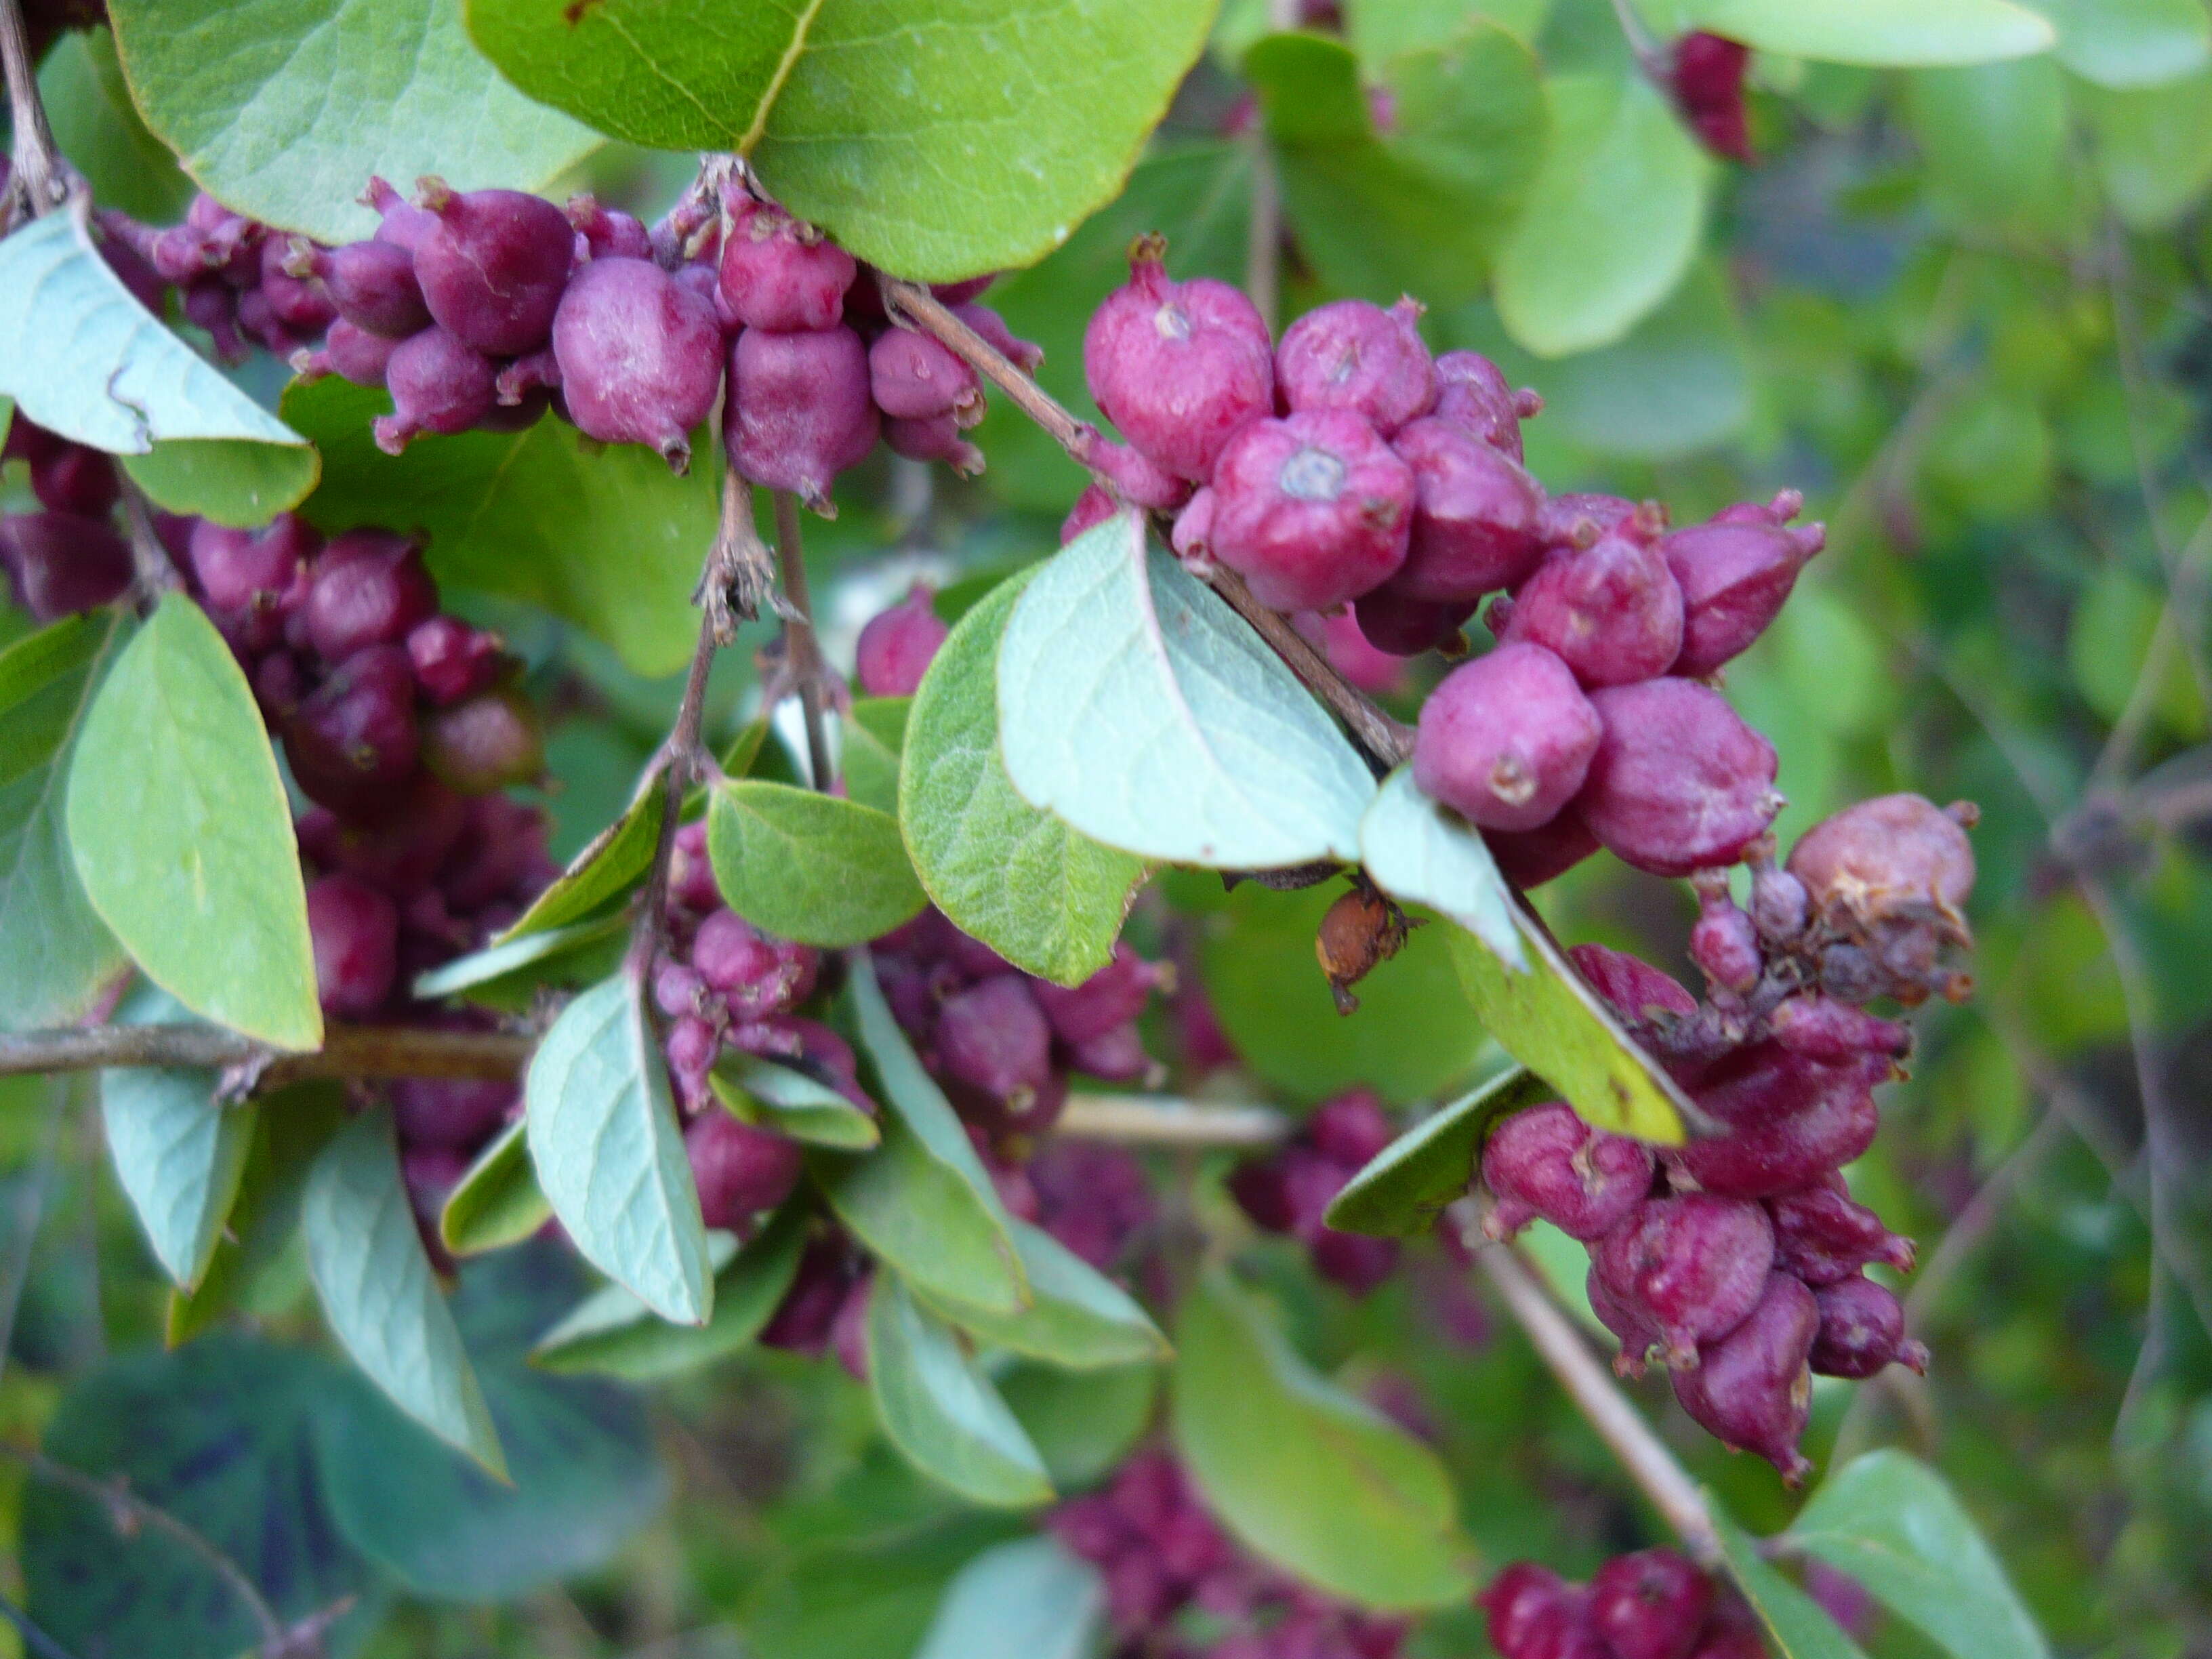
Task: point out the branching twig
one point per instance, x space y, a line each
348 1051
37 181
802 651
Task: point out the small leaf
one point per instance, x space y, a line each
55 953
615 861
1553 1024
496 1202
1894 1524
1028 1599
1084 1422
809 866
1077 1317
1900 32
1421 853
1316 1480
1795 1622
226 479
1613 221
178 1152
378 1295
938 1410
790 1103
609 1157
2131 43
1135 704
506 960
613 1333
1042 897
1403 1188
871 736
284 114
81 357
183 837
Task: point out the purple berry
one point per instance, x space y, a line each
453 660
438 385
368 588
1472 392
1820 1236
779 274
690 874
1678 782
1734 576
490 741
897 647
1117 1055
733 956
1312 510
912 377
71 478
1522 1600
934 439
1546 1162
1350 1129
1630 1326
678 991
356 937
353 738
1353 1262
353 353
800 411
1476 515
1130 471
640 355
1352 355
540 372
493 270
803 1320
372 283
1114 995
740 1169
1724 943
1751 1388
1821 1028
1651 1605
404 224
1581 519
1393 622
608 232
459 1114
992 1037
1789 1120
1094 1199
1780 907
61 564
1178 367
1506 739
1025 353
1535 856
1610 610
1692 1266
1635 988
1862 1330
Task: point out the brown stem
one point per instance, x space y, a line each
802 651
348 1051
154 572
912 304
1386 740
683 759
37 175
1168 1120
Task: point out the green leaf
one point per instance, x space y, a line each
1894 1524
1381 30
615 861
609 540
496 1202
1028 1599
2131 43
1403 1188
179 1152
2154 148
613 1333
609 1157
83 357
871 735
1419 210
1553 1024
1084 1422
1907 33
233 483
379 1296
790 1103
55 953
1421 853
183 837
1044 898
809 866
1135 704
856 109
921 1201
1996 137
98 128
938 1410
1077 1317
1796 1626
1613 221
284 113
1316 1480
508 960
842 1597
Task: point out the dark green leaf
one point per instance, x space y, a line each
1026 1599
1795 1626
1402 1192
1083 1423
791 1102
872 734
809 866
615 861
938 1410
1077 1316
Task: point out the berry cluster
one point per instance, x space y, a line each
70 557
1654 1604
1171 1571
1289 1190
229 275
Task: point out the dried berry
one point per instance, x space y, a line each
1476 515
780 274
1893 855
1753 1388
493 270
1611 612
1547 1162
639 357
1692 1266
799 411
1678 782
1312 510
1734 577
1358 934
1353 356
1820 1236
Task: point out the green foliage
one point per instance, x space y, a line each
938 1410
497 1201
1898 31
871 737
791 1102
1028 1599
809 866
1793 1623
221 479
1405 1186
1076 1316
1081 1423
1421 853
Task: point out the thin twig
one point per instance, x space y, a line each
153 572
348 1051
1169 1120
802 650
36 1642
37 177
1386 740
1651 56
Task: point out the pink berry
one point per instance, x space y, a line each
1312 510
1693 1266
1350 1129
1472 393
1506 739
1636 990
487 742
1611 612
1651 1605
993 1038
608 232
1354 356
1862 1330
935 438
1823 1028
493 270
350 352
1752 1389
404 224
1535 856
1734 578
1723 943
1114 995
438 385
353 739
780 274
799 411
1884 856
740 1169
897 647
1580 520
1025 354
368 588
1820 1236
1788 1119
1678 782
1476 515
1547 1162
357 935
1136 477
62 563
1339 635
452 660
912 377
641 357
690 875
372 283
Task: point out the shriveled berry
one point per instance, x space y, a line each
1312 510
1734 578
62 563
779 273
993 1038
639 355
1821 1235
1822 1028
898 646
1678 782
1178 367
452 660
1723 942
356 933
1693 1266
1885 857
1472 392
1547 1162
1862 1330
1634 988
1401 626
1532 857
1353 356
913 377
740 1169
1752 1389
1611 612
1651 1605
1788 1119
439 384
1360 932
1506 739
799 411
353 738
1114 995
368 588
490 741
1476 514
493 270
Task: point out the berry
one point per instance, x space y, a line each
1358 357
1353 1262
740 1169
1724 943
1312 510
1862 1330
61 564
1350 1129
1178 367
357 935
690 875
353 353
993 1038
1734 577
1114 1056
1535 856
439 384
1678 782
934 439
802 1321
1025 354
1506 739
1476 515
912 377
1521 1599
800 412
733 956
368 588
639 357
490 741
72 478
1636 989
1112 997
608 232
1580 520
459 1114
452 660
353 738
1821 1028
1779 904
1472 393
244 570
1885 857
691 1046
779 274
1789 1120
1092 1198
493 269
1651 1605
1546 1162
1402 626
1131 473
1693 1266
1629 1324
898 646
1611 612
372 283
1821 1237
1752 1389
1707 81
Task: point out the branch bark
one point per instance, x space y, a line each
38 176
802 648
348 1051
1168 1120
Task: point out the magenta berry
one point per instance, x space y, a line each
1734 577
368 588
1789 1120
733 956
1693 1266
1707 81
1025 354
1581 519
800 411
404 224
353 738
1752 1389
1312 510
1353 356
1651 1605
1724 943
1472 393
353 353
243 570
493 270
993 1038
1350 1129
1630 1326
452 660
935 438
1178 367
456 1113
779 274
372 283
912 377
62 563
1678 782
1636 990
1506 739
639 357
1476 515
1821 1237
1138 478
1353 1262
608 232
1391 622
1862 1330
71 478
740 1169
1522 1598
1547 1162
1534 857
490 741
897 647
356 933
1611 612
1114 995
1822 1028
439 384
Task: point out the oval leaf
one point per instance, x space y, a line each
1135 704
1084 1422
1047 899
870 738
1421 853
1406 1185
227 479
508 960
496 1202
1317 1481
378 1295
609 1157
1028 1599
1795 1622
1907 33
283 114
183 838
1077 1316
790 1103
615 860
938 1410
809 866
1892 1523
2131 43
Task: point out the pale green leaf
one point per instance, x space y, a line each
1795 1625
232 482
808 866
496 1202
1904 33
871 737
1083 1423
1028 1599
1421 853
2153 148
512 958
1402 1189
1077 1316
790 1103
612 1333
937 1408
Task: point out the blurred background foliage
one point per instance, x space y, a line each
1969 312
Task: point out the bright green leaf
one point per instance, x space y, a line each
2131 43
1795 1626
1679 381
1421 853
1028 1599
232 482
791 1102
496 1202
1902 32
809 866
870 737
615 861
1403 1188
1077 1316
938 1410
1996 137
